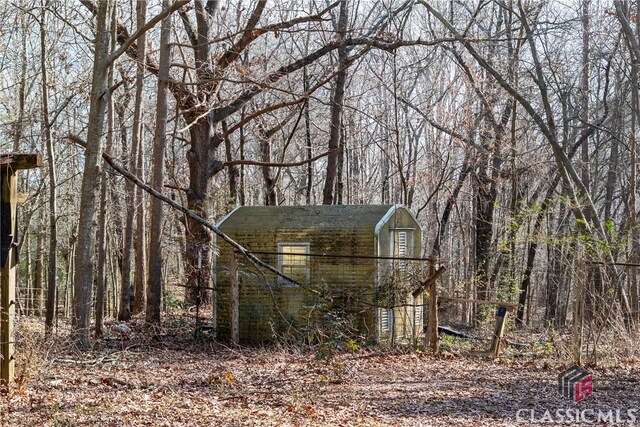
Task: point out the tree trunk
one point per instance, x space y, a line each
307 139
385 185
336 111
18 128
232 171
28 282
531 254
241 142
84 263
269 181
234 300
154 285
448 208
533 246
103 251
38 282
635 239
340 167
132 190
554 278
141 232
53 229
101 266
198 238
584 100
486 198
634 288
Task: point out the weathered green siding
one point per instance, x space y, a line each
347 285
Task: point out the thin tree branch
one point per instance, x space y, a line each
188 27
185 98
150 24
248 35
277 165
218 114
621 12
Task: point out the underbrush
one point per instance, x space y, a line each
171 376
36 354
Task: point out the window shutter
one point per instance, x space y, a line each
402 243
384 320
417 318
402 249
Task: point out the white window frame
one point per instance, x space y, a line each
281 249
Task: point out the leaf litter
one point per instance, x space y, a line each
174 379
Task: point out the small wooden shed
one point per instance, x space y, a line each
348 265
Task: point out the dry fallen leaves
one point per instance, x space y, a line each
180 381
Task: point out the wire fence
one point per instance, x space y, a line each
336 297
330 297
30 300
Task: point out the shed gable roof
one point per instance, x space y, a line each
322 217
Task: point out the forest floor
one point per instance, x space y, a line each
174 379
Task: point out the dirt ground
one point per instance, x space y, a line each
174 379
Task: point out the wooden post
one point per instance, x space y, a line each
9 198
234 300
433 319
214 294
8 265
433 312
578 313
501 315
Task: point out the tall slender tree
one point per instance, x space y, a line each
154 284
328 193
100 93
132 192
51 157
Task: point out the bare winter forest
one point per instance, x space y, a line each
508 128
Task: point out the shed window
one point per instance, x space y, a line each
293 262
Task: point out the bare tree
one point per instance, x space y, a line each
83 279
131 190
633 46
53 216
328 193
154 284
100 93
547 125
204 114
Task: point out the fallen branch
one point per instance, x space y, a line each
138 182
88 362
